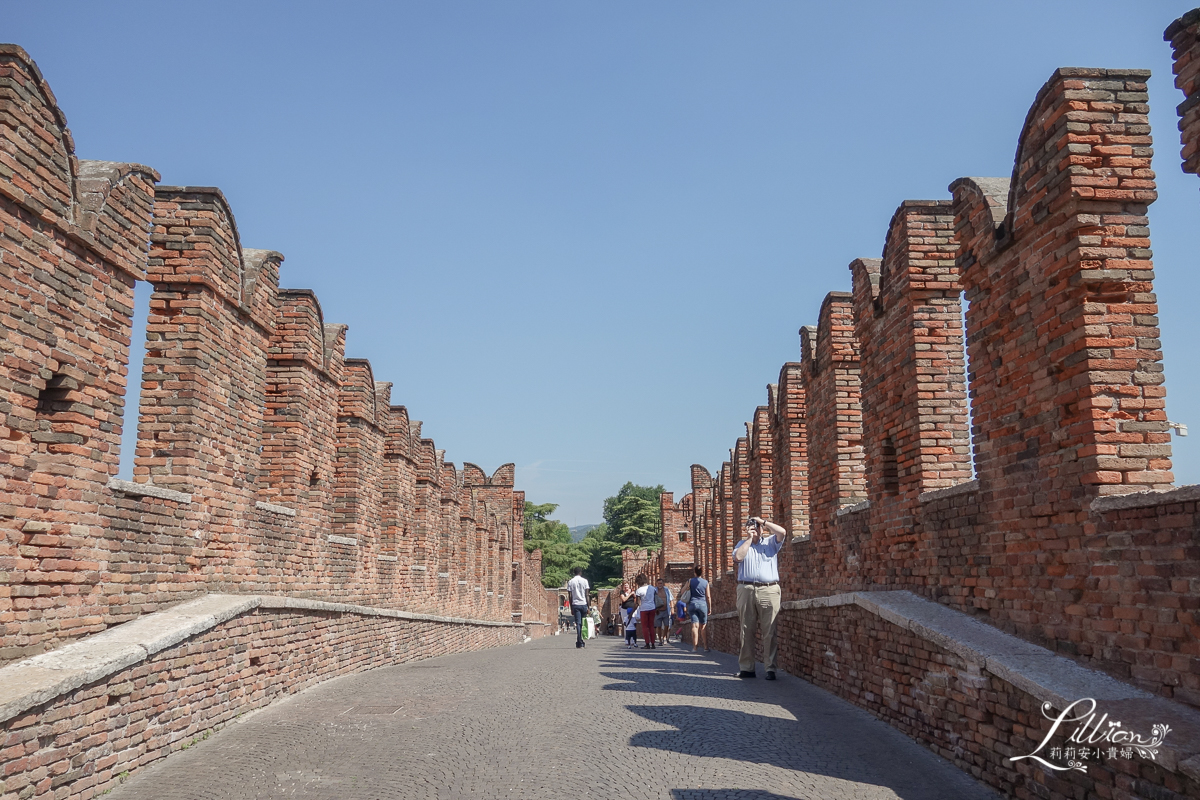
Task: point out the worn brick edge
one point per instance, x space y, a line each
148 490
1117 502
42 678
1042 674
950 491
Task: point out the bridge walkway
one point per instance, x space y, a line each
545 720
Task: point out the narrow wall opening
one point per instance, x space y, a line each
142 290
964 304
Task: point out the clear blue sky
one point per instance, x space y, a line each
582 236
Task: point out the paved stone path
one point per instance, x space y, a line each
544 720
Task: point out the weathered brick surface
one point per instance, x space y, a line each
977 721
1008 518
266 462
538 610
78 744
291 469
1184 36
676 556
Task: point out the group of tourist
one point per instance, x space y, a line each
658 613
653 609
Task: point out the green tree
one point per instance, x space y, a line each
634 517
605 567
559 554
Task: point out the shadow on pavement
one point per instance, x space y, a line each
668 667
726 794
857 753
686 685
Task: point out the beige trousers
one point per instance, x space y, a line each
758 606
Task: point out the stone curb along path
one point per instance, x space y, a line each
42 678
1049 677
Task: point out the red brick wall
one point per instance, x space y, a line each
789 431
1067 402
675 557
835 447
974 720
266 461
159 706
762 459
634 563
539 608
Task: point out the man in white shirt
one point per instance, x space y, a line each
578 588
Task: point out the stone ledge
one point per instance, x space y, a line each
37 680
854 509
1162 497
949 491
1035 670
388 558
346 540
271 508
131 489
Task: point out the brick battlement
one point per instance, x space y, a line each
267 462
1016 469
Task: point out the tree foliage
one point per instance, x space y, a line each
559 554
605 567
634 517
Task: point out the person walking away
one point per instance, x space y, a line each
645 595
578 588
757 559
697 609
662 612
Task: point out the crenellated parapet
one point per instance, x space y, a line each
1062 315
675 557
266 461
74 238
981 419
788 425
1184 36
908 317
832 378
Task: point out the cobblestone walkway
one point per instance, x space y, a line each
544 720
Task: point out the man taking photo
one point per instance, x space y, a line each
757 559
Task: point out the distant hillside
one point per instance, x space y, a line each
579 531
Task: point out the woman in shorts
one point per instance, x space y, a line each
698 609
